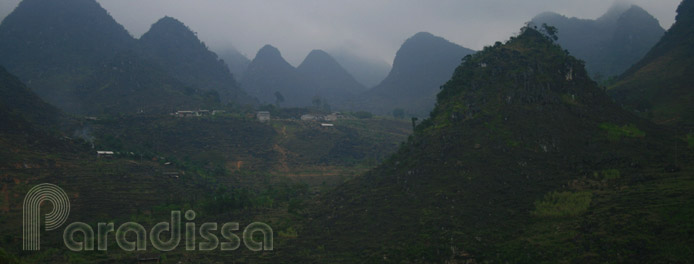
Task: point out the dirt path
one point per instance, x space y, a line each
282 151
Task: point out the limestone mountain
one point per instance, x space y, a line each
129 84
523 160
661 86
178 50
237 62
334 82
422 64
367 71
53 45
610 44
269 74
19 100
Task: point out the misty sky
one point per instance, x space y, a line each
374 28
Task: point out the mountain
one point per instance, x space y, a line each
54 45
660 86
269 73
237 62
367 71
334 82
130 84
610 44
178 50
422 64
20 100
523 160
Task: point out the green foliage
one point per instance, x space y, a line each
563 204
611 174
615 132
690 140
289 233
8 258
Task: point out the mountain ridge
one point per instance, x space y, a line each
334 82
518 124
422 64
609 44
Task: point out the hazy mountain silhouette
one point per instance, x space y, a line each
54 45
269 73
237 62
661 86
610 44
334 82
179 51
367 71
518 125
422 64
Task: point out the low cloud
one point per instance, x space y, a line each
367 27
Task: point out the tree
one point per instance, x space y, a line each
316 102
278 99
550 32
399 113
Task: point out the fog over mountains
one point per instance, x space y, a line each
520 151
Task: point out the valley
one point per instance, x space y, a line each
568 141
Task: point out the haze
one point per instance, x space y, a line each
374 29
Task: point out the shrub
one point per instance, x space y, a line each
611 174
615 132
563 204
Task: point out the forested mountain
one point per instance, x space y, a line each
269 74
524 160
129 84
610 44
422 64
21 101
54 45
179 51
334 82
661 86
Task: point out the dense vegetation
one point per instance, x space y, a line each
524 159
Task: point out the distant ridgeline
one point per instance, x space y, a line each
423 63
318 81
74 55
609 44
661 85
523 160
